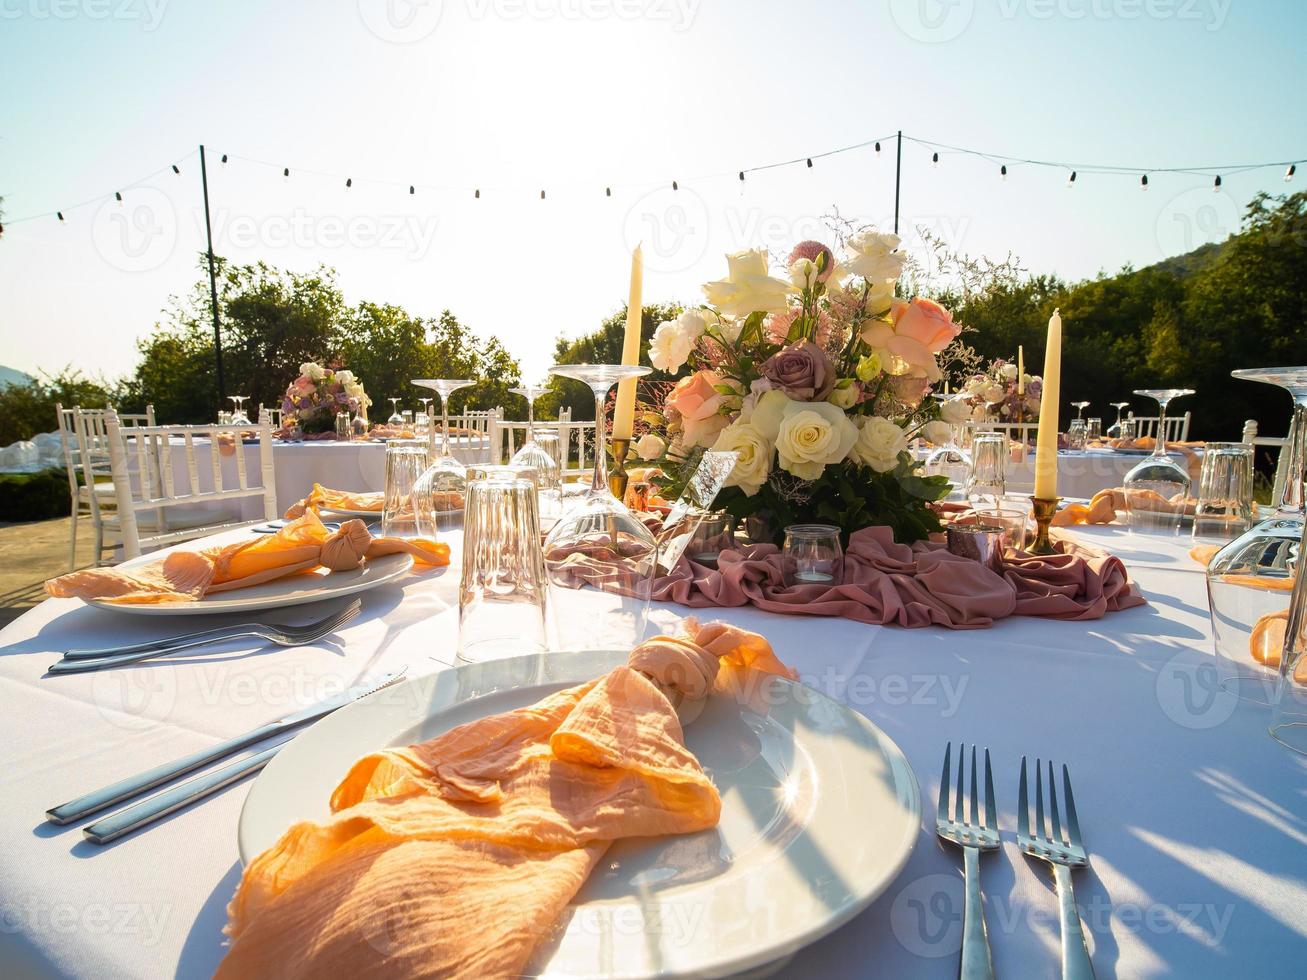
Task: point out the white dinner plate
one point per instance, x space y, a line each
293 590
820 811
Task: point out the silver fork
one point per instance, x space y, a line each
1064 852
78 661
973 833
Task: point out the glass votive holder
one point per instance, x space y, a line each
978 541
714 534
811 555
1011 517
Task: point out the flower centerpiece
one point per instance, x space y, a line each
818 381
995 395
314 399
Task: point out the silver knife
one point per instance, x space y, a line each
98 800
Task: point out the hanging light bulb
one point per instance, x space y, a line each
59 215
176 169
741 176
224 158
1071 181
285 173
1288 174
877 146
411 190
934 159
1216 184
675 186
608 192
478 194
349 182
542 195
1143 181
1002 171
118 196
809 163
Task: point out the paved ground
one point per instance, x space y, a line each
30 554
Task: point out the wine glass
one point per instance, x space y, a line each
598 541
1249 580
395 417
446 478
1115 429
1080 409
238 417
426 406
1156 489
531 453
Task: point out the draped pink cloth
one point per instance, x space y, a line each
888 583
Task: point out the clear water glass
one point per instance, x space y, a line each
1289 712
1076 435
1225 491
987 478
407 416
1009 513
344 427
811 555
421 425
406 511
1127 429
1094 429
502 591
1157 490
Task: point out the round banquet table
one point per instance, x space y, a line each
1193 816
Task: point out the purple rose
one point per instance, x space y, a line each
802 371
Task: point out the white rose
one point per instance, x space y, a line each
1008 371
753 459
879 297
729 327
937 432
748 288
994 394
345 377
879 443
871 255
313 371
803 273
650 446
693 322
955 411
813 435
845 397
669 347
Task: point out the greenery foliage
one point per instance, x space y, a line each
28 409
34 496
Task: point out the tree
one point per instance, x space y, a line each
27 409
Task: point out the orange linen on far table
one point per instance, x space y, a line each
324 498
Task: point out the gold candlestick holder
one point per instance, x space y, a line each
1045 508
617 475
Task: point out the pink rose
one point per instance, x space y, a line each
697 402
926 322
802 371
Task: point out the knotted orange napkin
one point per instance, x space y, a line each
300 546
456 856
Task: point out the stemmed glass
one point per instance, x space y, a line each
531 453
1156 489
395 417
446 477
239 417
599 541
1249 580
950 459
426 406
1080 409
1115 430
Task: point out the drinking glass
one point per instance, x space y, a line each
1012 514
224 418
597 540
239 417
1128 429
1289 715
811 555
1115 430
422 425
502 592
1094 430
406 511
446 477
987 477
950 459
1251 578
395 417
344 428
1076 436
1225 491
1156 489
532 453
407 417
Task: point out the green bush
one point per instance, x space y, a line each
33 496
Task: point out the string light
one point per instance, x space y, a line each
59 215
349 182
1002 171
1071 181
176 169
542 195
1288 174
877 146
1216 184
411 190
1143 181
608 192
810 158
675 186
478 194
934 159
224 158
285 173
118 196
742 174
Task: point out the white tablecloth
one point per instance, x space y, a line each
1078 474
1193 816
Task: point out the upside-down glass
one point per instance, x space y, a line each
532 454
395 417
1114 430
1251 578
1077 435
344 427
502 592
986 478
1157 490
950 459
1225 491
598 541
406 511
1128 429
1094 428
1289 715
1080 409
239 417
811 555
446 477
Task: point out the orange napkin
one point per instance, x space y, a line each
323 498
455 857
300 546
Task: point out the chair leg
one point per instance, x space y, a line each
72 542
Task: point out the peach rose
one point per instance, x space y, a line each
698 403
917 331
926 322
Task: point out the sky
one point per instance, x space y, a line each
571 97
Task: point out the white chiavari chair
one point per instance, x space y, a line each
1251 438
1177 427
149 453
1016 431
273 413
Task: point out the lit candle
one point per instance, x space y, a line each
624 413
1046 442
1021 369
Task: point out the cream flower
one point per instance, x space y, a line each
955 411
879 297
748 288
803 273
313 371
871 255
753 459
650 446
845 397
879 443
994 394
1008 371
671 345
937 432
809 436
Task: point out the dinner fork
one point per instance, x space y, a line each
973 833
1064 852
77 661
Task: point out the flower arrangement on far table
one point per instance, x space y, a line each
993 394
818 381
318 395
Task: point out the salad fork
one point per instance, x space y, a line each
1063 852
973 833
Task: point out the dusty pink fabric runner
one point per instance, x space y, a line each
909 585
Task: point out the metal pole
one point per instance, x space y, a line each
213 281
898 169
